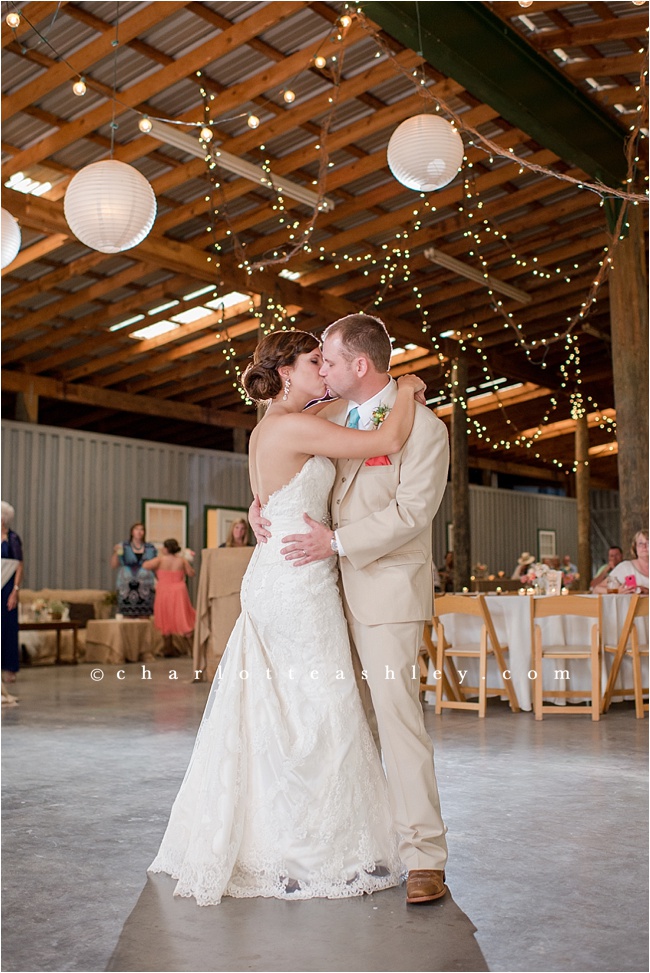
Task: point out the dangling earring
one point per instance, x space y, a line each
287 386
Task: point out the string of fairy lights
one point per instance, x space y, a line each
395 261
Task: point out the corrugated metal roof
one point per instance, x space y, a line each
236 66
63 103
180 34
17 71
295 32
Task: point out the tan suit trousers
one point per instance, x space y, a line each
387 654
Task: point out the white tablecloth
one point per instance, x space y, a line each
511 617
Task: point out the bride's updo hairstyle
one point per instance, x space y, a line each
261 380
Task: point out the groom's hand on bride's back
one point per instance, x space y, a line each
257 522
307 548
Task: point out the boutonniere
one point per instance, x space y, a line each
378 416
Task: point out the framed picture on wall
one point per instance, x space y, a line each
217 522
163 519
546 544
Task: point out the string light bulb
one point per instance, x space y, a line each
289 96
525 3
253 121
205 134
13 20
145 124
638 3
320 61
79 88
345 21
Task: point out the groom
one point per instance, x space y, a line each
382 511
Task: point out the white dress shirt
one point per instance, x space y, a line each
385 396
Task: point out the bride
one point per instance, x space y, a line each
284 794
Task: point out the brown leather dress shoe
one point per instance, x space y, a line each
425 884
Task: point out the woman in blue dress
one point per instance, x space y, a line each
135 585
12 574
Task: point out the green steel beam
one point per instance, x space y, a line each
467 42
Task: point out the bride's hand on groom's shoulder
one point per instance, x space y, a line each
257 522
415 383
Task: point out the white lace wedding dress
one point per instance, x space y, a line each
284 794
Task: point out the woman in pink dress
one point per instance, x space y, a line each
172 610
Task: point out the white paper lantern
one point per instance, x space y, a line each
110 206
425 152
10 238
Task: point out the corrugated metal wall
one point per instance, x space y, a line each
606 524
504 523
77 493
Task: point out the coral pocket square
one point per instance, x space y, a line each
378 461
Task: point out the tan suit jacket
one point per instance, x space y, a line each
383 517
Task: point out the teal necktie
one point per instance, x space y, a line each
353 419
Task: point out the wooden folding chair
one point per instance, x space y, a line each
428 654
628 645
476 607
560 605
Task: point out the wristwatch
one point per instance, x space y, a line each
334 545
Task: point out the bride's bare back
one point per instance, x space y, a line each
271 461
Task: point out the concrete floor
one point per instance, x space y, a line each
547 837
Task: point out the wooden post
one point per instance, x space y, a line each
628 296
27 406
239 440
459 474
582 496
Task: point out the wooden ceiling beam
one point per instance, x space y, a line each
36 251
392 219
31 13
47 282
50 388
87 349
58 308
213 342
150 346
506 9
432 232
259 21
604 67
290 119
356 204
142 20
607 30
448 287
195 374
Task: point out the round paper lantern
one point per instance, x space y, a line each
425 152
10 239
110 206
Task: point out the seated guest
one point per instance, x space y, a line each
614 557
631 575
523 564
238 535
447 573
567 566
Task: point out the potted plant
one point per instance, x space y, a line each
56 610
